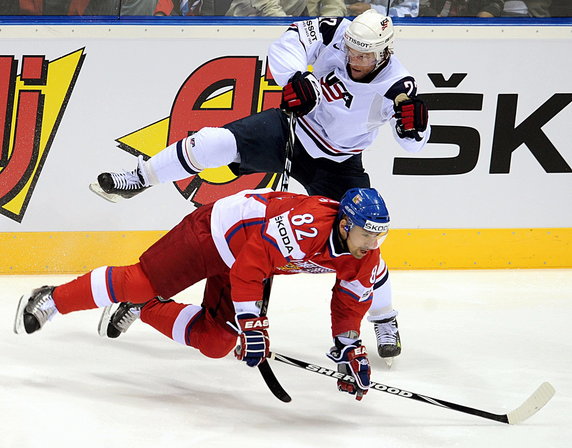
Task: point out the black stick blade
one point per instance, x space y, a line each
272 383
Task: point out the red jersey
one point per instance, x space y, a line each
260 233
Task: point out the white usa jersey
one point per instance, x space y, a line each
350 113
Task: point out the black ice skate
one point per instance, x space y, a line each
34 310
112 325
116 186
388 340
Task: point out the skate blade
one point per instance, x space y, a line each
19 319
104 321
114 198
388 361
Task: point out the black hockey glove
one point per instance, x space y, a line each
302 94
353 364
254 344
411 115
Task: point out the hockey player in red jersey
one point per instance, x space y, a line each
236 243
356 86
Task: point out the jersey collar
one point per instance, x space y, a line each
335 246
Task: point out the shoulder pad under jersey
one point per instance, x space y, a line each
328 27
315 30
405 85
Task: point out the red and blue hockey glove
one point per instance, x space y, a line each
301 94
353 363
411 117
254 344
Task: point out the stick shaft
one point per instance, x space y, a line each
264 368
289 151
503 418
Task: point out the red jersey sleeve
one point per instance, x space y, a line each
353 292
254 263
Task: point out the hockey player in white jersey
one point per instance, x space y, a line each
356 86
359 85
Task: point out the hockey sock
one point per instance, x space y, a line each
170 318
104 286
207 148
189 325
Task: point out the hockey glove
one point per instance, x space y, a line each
254 344
353 364
302 94
411 116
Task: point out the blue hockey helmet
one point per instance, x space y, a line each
364 207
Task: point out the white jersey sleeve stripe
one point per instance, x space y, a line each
324 145
356 290
248 208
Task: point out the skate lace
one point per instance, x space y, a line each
126 318
43 307
126 180
386 333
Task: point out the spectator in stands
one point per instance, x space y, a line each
278 8
561 8
161 7
393 8
145 8
526 8
537 8
68 7
10 8
461 8
191 7
515 8
97 7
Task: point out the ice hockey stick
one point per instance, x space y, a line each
528 408
264 368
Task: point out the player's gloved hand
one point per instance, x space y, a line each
353 363
411 116
302 94
254 344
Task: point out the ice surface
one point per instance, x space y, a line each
485 339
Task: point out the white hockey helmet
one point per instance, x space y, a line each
371 32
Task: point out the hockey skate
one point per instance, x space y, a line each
112 325
34 310
116 186
388 340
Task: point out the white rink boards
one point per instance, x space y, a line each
486 192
